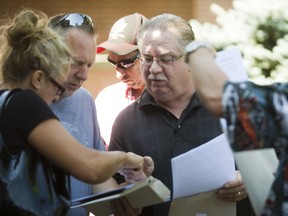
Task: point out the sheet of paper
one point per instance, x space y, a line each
204 168
257 168
231 62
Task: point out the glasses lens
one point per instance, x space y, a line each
72 20
60 88
162 62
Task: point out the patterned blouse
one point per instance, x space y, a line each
257 117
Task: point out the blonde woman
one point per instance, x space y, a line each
34 66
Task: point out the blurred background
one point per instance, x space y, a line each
105 12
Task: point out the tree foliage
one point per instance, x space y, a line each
259 28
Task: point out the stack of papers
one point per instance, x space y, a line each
197 174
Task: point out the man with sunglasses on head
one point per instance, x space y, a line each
123 54
76 108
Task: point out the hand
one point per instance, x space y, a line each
135 175
233 191
133 161
122 207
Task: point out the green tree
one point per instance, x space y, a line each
259 28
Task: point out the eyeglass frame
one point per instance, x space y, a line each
159 60
121 64
65 17
60 88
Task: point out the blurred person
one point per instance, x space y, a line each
168 119
256 115
34 66
76 108
124 56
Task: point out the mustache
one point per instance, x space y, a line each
158 77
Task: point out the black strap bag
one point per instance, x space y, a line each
29 184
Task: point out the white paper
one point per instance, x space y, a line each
257 168
204 168
231 62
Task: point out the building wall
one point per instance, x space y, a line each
106 12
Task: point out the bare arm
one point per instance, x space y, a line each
209 79
52 141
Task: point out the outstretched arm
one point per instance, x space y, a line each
52 141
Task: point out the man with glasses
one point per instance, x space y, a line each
123 54
168 118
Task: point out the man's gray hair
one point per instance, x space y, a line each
169 22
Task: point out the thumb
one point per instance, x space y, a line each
148 165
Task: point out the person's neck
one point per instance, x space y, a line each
177 105
137 92
5 85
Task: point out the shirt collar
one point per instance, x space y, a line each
146 100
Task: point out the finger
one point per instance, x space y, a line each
232 190
132 176
148 161
235 197
238 181
148 167
116 207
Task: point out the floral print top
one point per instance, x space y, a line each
257 117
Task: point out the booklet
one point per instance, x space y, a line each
147 192
258 168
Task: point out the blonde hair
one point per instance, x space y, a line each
28 44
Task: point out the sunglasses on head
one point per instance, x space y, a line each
125 64
72 20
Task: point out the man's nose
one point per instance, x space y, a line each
83 73
155 67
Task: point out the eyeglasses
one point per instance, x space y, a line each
162 61
60 88
125 64
72 20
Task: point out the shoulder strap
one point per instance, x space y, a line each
4 99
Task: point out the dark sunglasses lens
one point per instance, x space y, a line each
126 65
123 65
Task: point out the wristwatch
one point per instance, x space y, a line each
194 45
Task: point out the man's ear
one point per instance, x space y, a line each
37 79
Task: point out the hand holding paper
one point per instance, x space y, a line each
234 190
196 176
207 167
